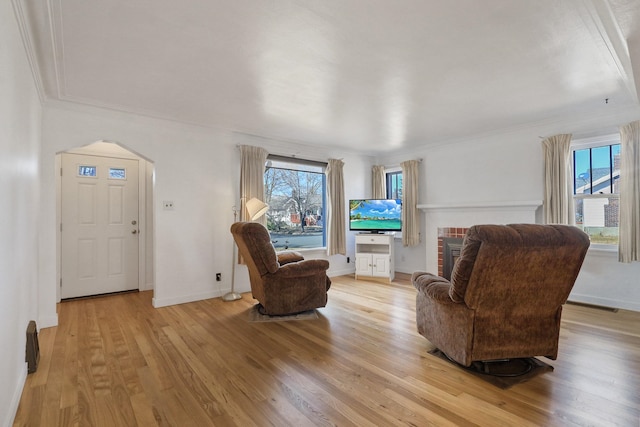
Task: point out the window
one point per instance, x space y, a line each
295 191
90 171
596 180
394 185
117 173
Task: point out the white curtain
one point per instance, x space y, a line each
336 224
252 161
378 182
558 196
410 218
629 242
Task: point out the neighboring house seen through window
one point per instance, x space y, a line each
596 180
295 191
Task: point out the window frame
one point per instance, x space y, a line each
590 143
302 165
389 175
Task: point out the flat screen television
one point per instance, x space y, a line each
375 215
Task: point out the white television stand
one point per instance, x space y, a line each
375 255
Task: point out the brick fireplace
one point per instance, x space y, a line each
449 242
452 220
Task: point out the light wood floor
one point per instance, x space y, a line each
116 361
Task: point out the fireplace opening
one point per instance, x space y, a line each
451 247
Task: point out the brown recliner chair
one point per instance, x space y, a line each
505 297
282 283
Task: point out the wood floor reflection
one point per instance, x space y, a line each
117 361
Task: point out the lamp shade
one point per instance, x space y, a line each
256 208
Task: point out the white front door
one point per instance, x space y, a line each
100 225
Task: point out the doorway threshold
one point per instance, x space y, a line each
100 295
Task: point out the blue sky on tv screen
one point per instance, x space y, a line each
378 209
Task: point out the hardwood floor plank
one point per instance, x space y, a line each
143 410
69 330
192 373
154 358
289 415
87 403
307 397
68 416
153 393
55 377
30 409
117 361
420 413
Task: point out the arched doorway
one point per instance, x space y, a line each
105 212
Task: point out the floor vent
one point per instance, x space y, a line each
33 348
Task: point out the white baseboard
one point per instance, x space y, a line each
47 321
604 302
164 302
10 416
341 272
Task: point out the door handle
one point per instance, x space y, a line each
134 232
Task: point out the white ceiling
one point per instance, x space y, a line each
372 75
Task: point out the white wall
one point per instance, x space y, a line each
198 170
192 169
504 168
20 116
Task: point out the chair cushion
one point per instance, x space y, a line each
258 242
289 257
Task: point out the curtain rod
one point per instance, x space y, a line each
296 159
291 158
397 165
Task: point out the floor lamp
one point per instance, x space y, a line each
255 209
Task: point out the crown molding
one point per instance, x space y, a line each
607 28
27 42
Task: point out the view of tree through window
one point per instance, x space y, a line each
295 193
596 192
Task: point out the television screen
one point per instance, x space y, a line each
375 215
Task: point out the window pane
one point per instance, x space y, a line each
598 217
87 170
577 206
296 197
596 178
615 161
394 185
601 170
582 171
117 173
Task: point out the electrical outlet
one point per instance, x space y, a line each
218 277
167 205
348 260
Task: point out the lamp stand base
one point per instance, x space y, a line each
231 296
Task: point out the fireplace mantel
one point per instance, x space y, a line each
462 215
527 205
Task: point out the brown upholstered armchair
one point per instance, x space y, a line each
506 292
282 283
